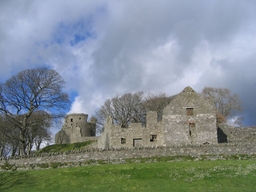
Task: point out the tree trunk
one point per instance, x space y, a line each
1 150
29 148
38 144
23 145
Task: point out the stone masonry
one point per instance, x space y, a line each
215 152
187 120
76 129
188 128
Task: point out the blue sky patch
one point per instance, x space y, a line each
73 33
79 38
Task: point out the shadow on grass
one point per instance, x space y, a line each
9 180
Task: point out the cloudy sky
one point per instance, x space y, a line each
103 48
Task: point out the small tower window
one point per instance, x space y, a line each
123 140
71 120
190 111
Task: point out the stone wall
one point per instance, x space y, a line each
229 134
136 135
187 119
96 154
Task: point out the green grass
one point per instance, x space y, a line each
229 175
65 147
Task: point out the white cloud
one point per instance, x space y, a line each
127 46
77 106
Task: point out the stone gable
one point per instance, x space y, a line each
188 119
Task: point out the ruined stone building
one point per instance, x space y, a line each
76 129
187 119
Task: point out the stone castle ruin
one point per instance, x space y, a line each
187 120
76 129
188 128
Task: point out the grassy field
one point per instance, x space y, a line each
229 175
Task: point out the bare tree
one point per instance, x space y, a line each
157 103
37 132
123 109
3 143
44 136
226 103
29 91
131 108
8 138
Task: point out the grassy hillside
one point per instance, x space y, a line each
66 147
231 175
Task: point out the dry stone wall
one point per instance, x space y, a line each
119 154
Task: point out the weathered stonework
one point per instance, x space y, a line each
188 128
78 158
76 129
228 134
188 119
135 136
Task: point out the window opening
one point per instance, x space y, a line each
153 138
192 130
190 111
123 140
71 120
137 142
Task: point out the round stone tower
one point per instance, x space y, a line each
76 120
76 129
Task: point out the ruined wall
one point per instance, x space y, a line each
104 138
228 134
135 135
76 129
61 137
189 119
